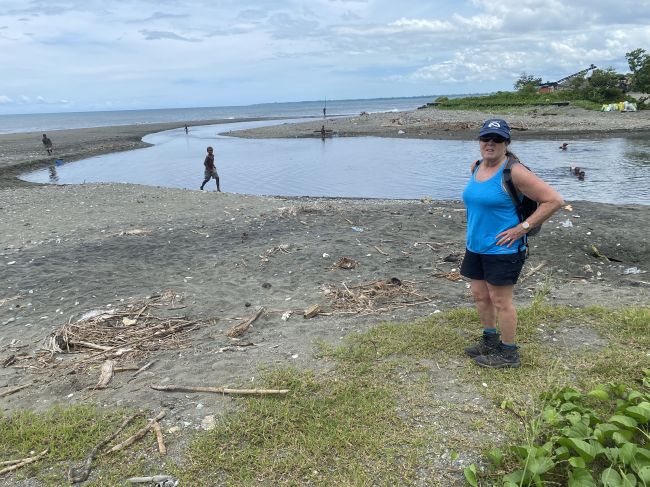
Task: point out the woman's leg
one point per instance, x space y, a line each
486 310
501 299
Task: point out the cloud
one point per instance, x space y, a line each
4 100
154 35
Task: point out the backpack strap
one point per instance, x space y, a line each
511 189
514 196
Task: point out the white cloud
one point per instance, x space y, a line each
5 99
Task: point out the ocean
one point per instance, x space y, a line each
38 122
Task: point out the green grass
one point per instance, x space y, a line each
395 406
509 100
69 434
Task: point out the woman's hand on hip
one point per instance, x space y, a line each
511 235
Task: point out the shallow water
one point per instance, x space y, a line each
617 169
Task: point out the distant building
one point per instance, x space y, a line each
562 84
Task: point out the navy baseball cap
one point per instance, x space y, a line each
495 126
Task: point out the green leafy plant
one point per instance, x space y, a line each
598 438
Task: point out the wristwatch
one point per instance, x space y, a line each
525 226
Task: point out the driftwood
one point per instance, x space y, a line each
240 329
8 392
21 463
158 479
106 374
81 474
311 311
159 438
220 390
141 369
380 251
534 270
139 434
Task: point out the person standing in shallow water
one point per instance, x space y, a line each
48 144
497 243
210 169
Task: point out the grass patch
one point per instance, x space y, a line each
69 434
330 431
400 405
509 100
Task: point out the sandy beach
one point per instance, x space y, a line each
71 250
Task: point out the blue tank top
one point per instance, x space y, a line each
489 212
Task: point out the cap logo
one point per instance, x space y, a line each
494 124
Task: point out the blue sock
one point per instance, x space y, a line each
490 331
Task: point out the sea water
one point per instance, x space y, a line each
617 169
43 122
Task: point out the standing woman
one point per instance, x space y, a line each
496 242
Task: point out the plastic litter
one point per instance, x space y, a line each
357 229
566 223
632 270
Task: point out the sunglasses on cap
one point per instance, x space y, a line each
497 139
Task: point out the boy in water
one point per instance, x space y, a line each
210 169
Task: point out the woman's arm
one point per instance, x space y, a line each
536 189
539 190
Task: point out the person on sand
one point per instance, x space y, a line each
48 144
496 242
210 169
186 129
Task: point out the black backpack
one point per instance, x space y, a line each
525 206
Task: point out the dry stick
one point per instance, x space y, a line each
380 251
23 462
10 462
139 434
241 328
90 345
81 474
534 270
125 369
159 438
158 334
8 392
220 390
141 369
105 375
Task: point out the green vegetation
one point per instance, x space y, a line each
397 405
639 62
603 86
574 445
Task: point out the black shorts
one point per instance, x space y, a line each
496 269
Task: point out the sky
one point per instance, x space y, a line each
86 55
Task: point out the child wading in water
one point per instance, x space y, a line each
210 169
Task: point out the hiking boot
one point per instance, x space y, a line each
486 345
499 359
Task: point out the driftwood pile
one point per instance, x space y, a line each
375 296
108 336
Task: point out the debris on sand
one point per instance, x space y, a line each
376 296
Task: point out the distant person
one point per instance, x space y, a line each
496 242
48 144
186 129
210 169
324 112
564 146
